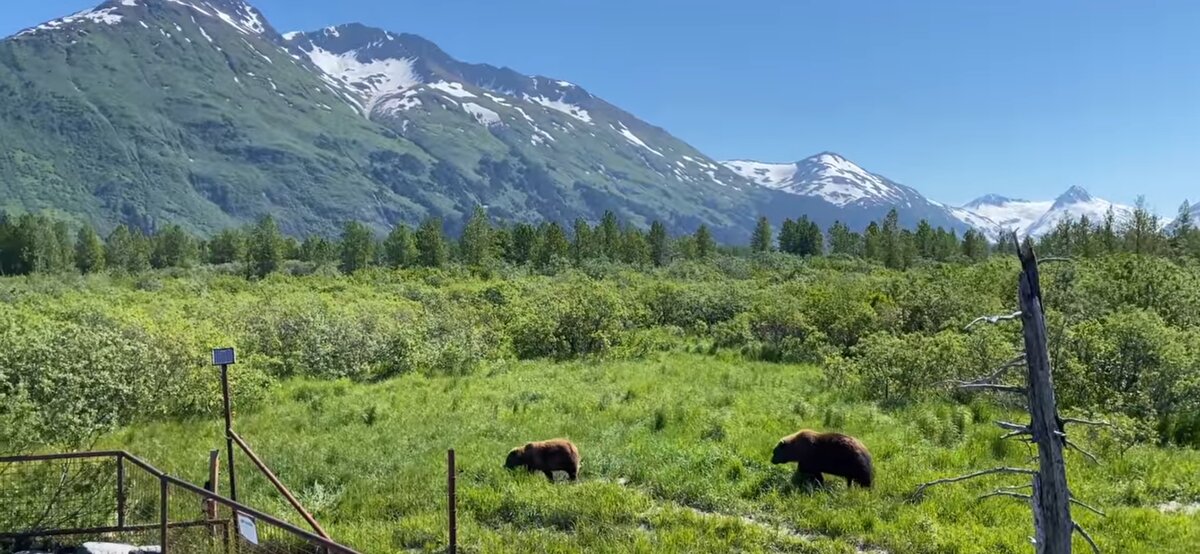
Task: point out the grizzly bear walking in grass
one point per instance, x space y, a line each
546 457
834 453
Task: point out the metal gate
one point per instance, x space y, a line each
58 502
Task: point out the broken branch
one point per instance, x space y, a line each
1086 537
992 386
1066 420
1089 455
993 319
1006 493
921 489
1093 510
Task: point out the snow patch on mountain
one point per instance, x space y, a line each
826 175
453 89
766 174
632 138
106 16
561 106
374 79
481 114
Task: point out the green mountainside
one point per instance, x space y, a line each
198 112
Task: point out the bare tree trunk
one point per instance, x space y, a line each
1051 497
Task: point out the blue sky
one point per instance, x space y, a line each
955 98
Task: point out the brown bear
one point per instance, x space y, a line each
546 457
833 453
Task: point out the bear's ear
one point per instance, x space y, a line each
528 445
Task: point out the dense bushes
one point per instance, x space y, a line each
83 354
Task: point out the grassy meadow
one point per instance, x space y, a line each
675 454
675 382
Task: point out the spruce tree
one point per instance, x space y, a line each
228 246
357 247
89 250
264 248
317 250
524 241
760 241
660 253
584 245
476 244
400 248
705 246
172 247
431 243
551 245
609 233
634 249
127 250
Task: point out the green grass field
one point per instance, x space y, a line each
676 453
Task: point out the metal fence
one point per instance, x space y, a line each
58 502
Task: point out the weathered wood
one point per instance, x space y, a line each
1051 496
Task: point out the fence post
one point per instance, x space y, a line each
452 502
162 530
121 491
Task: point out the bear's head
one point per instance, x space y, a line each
516 458
782 453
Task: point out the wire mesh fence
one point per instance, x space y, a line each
60 502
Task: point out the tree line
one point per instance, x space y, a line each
38 243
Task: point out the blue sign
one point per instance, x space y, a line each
223 356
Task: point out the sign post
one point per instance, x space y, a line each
225 357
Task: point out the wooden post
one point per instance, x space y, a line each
452 504
1051 497
229 431
214 474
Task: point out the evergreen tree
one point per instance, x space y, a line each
789 239
809 239
660 253
227 247
37 245
974 245
291 248
10 249
844 241
501 243
610 236
264 248
477 243
317 250
551 245
1183 232
634 248
1141 231
431 243
584 244
172 247
873 243
893 248
1108 232
524 241
357 247
704 244
760 241
127 250
926 240
64 250
400 248
89 250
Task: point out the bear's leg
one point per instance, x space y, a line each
572 473
549 474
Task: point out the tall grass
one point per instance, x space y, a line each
676 453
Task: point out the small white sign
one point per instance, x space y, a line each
247 528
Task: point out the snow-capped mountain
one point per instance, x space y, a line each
1006 214
857 194
1074 204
